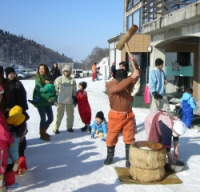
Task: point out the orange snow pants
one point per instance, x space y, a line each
120 122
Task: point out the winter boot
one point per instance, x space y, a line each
43 135
84 128
70 130
89 128
127 146
110 155
46 132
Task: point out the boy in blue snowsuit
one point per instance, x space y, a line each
188 105
100 126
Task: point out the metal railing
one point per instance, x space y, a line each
153 9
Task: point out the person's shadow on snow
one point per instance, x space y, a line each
99 187
188 147
58 160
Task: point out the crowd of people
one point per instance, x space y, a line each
53 88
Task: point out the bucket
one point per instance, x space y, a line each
147 161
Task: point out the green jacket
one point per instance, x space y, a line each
40 83
49 92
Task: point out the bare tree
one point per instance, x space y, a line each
96 55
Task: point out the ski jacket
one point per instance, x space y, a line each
50 91
65 88
40 83
100 128
190 100
84 107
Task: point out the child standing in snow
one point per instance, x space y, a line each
6 140
100 126
188 105
16 122
49 90
84 106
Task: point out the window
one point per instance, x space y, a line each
137 19
135 2
130 5
129 22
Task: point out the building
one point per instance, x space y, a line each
169 29
138 44
174 27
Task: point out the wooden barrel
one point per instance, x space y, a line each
147 161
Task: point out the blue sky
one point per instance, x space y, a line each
72 27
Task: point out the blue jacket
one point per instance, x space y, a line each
100 128
190 98
157 81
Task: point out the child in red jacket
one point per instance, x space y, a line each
84 106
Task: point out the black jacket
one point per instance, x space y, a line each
17 95
55 72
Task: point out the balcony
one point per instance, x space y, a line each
161 15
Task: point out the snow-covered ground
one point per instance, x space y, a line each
74 161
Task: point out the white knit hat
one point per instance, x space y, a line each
1 90
67 68
179 127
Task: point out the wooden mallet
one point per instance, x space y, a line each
124 42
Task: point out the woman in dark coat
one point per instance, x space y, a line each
55 71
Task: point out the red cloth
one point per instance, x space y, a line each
155 134
94 76
6 140
3 160
84 107
22 163
9 178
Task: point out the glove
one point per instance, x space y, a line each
104 139
92 135
75 100
15 167
156 95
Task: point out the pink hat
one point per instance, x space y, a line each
1 90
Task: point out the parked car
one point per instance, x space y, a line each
21 74
78 73
32 72
26 71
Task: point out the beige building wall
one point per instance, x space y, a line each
137 44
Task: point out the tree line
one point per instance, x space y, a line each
21 51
